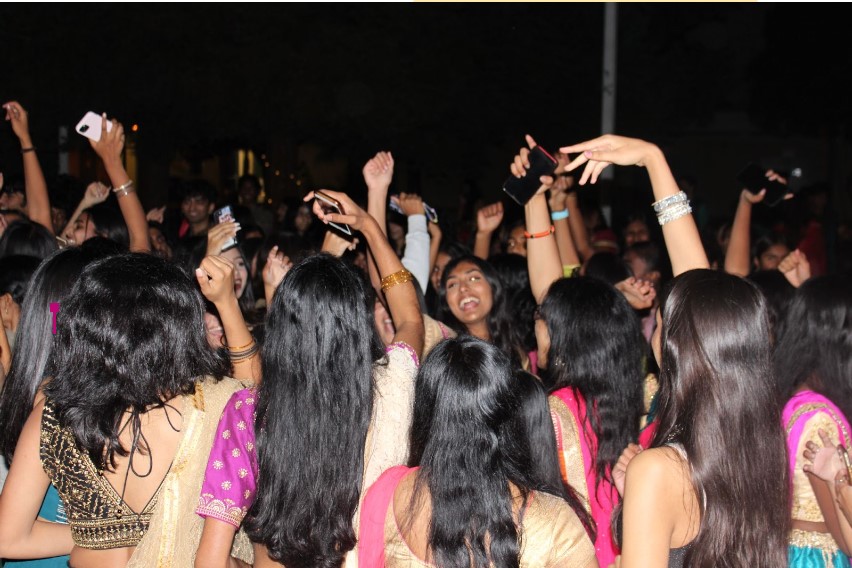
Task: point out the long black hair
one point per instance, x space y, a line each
597 347
530 433
504 333
27 238
520 301
129 336
51 282
463 399
815 344
315 406
109 223
716 390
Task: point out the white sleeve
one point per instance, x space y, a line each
416 257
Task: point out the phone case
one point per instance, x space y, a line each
90 126
329 205
223 215
522 189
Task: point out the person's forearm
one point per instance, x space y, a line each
738 254
542 255
416 257
377 204
131 207
434 249
842 519
579 235
45 540
681 235
402 299
238 336
482 245
567 252
38 202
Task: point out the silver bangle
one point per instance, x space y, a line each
664 203
673 213
123 187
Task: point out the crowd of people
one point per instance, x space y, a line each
268 391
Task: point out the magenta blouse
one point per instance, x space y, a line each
230 480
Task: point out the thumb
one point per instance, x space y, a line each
202 277
530 142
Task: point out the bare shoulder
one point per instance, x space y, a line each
658 467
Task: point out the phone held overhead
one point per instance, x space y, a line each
331 205
522 189
90 126
753 178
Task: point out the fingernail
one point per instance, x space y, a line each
199 272
587 153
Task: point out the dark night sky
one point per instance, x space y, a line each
450 88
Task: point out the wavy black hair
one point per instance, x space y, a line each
597 347
315 406
505 334
31 358
129 336
815 344
515 274
715 391
27 238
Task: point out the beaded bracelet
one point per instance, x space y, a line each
398 277
662 204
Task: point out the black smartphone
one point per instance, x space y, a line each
522 189
753 177
331 205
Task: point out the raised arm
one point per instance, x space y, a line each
109 148
542 254
560 216
215 277
488 219
96 192
397 283
378 174
38 202
435 236
679 231
416 255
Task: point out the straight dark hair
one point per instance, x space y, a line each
315 406
597 347
505 334
716 390
51 282
463 400
815 344
129 336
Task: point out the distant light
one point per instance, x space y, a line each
135 128
269 201
278 172
266 164
299 182
263 156
292 176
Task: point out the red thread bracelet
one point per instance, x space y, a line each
529 235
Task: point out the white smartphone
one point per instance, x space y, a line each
90 126
222 215
330 205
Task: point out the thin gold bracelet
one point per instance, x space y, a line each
241 347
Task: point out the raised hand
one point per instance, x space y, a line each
215 277
17 116
378 171
219 234
521 164
156 214
639 294
488 218
824 462
96 192
111 144
336 245
608 149
795 268
276 268
619 472
410 203
352 215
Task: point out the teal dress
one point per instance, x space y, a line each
53 510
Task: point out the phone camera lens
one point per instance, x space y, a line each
84 128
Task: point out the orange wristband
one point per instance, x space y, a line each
529 235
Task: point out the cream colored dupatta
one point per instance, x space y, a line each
175 530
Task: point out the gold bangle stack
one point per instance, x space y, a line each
398 277
243 352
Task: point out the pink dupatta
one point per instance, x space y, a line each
602 497
798 410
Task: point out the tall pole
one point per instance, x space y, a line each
609 76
